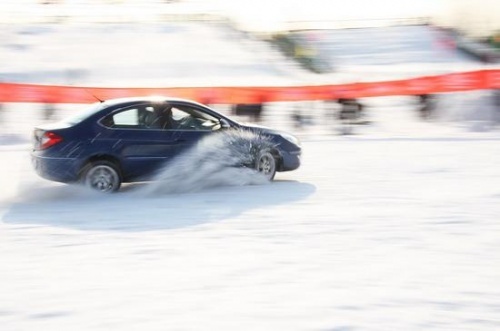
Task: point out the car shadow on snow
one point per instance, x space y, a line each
132 210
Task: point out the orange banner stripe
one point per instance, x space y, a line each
454 82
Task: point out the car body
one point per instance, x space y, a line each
129 139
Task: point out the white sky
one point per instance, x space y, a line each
329 9
267 13
480 15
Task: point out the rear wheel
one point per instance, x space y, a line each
266 164
102 176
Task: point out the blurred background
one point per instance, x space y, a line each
172 43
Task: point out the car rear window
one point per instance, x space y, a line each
83 114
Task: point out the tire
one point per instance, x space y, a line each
266 164
102 176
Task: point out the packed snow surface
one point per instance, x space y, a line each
370 234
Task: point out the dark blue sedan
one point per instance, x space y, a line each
130 139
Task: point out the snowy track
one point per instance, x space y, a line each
368 235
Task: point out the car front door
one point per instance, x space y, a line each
190 123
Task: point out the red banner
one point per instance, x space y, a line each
455 82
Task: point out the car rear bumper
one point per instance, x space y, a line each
55 169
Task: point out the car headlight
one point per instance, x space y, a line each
290 138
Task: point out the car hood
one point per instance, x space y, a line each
276 133
260 128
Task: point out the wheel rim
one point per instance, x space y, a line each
102 178
266 165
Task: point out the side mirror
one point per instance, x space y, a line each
224 124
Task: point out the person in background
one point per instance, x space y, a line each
349 114
427 105
253 111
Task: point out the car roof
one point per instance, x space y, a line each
152 98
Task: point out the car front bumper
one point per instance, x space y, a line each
290 160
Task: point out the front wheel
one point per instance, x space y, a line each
102 176
266 164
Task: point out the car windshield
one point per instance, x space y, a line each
81 115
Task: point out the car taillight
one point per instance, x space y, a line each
46 139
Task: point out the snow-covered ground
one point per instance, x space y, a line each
370 234
394 228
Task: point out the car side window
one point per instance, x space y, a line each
162 117
147 117
137 117
127 118
188 118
